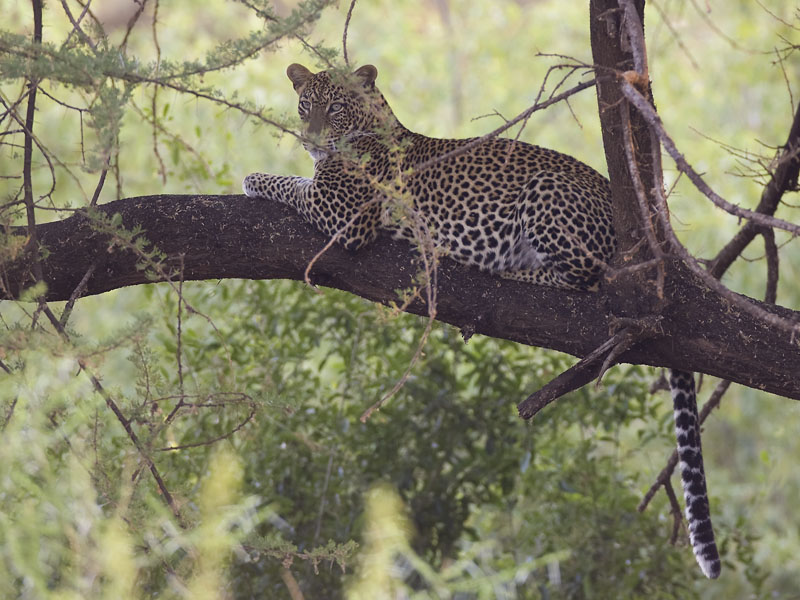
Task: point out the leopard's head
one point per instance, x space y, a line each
335 105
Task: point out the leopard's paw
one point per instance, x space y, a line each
255 185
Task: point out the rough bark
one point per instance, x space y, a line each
606 30
237 237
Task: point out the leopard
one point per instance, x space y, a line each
516 210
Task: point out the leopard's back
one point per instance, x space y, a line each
481 203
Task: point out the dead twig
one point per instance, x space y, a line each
652 118
77 293
771 251
295 593
123 420
578 375
346 29
214 440
662 213
784 178
463 149
675 511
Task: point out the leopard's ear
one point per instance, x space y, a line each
298 75
368 74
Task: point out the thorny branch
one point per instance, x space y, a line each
30 205
754 225
675 511
658 209
791 327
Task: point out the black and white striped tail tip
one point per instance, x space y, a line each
711 568
704 547
693 478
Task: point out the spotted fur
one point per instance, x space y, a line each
521 211
693 476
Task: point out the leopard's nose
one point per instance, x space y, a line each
315 123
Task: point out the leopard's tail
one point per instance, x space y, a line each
693 477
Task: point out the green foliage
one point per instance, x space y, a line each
247 395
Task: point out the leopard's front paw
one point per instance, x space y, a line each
255 185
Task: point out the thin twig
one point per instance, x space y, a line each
321 510
462 149
162 169
675 510
44 151
578 375
98 188
633 28
76 25
214 440
124 421
675 35
27 184
61 102
132 23
784 178
662 213
335 238
771 251
346 28
175 137
713 27
295 593
652 118
76 293
179 349
422 235
10 411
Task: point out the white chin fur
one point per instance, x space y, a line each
317 154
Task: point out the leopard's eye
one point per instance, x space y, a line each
335 107
304 105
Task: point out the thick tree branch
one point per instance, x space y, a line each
237 237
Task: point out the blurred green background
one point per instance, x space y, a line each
446 493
